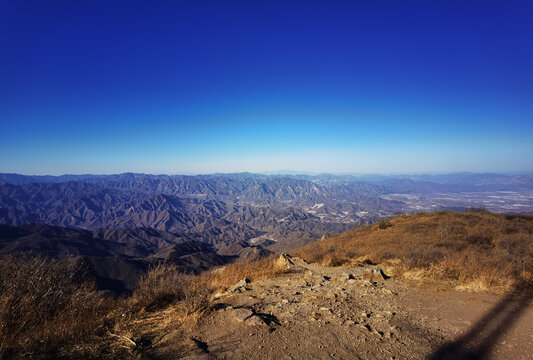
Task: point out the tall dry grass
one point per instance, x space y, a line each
45 306
48 309
475 247
221 279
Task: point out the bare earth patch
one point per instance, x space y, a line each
324 313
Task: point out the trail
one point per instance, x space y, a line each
319 312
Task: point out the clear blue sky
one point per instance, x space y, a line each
225 86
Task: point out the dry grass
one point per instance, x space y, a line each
45 306
221 279
48 310
164 285
475 248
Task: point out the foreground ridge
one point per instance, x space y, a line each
317 312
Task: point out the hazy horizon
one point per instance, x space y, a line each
279 173
209 87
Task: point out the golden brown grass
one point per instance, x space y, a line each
222 278
47 309
479 249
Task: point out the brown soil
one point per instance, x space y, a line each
316 312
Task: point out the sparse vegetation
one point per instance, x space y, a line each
45 306
474 247
48 309
164 285
222 278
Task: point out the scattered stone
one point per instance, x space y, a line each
378 333
255 320
349 322
285 301
346 277
285 262
379 272
365 327
374 275
327 278
242 314
364 314
241 285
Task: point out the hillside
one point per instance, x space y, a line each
278 212
286 308
477 249
115 259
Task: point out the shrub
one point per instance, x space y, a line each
223 278
164 284
383 224
44 306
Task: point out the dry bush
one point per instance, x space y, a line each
164 284
44 306
223 278
48 310
334 259
493 250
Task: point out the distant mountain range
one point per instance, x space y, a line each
206 220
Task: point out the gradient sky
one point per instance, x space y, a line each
229 86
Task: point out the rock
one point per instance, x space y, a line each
327 278
379 272
255 320
366 283
376 274
241 285
284 261
387 291
325 309
378 333
365 327
346 277
242 314
285 301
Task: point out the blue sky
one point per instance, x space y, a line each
228 86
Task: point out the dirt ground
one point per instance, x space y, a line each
319 312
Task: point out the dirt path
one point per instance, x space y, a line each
321 313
